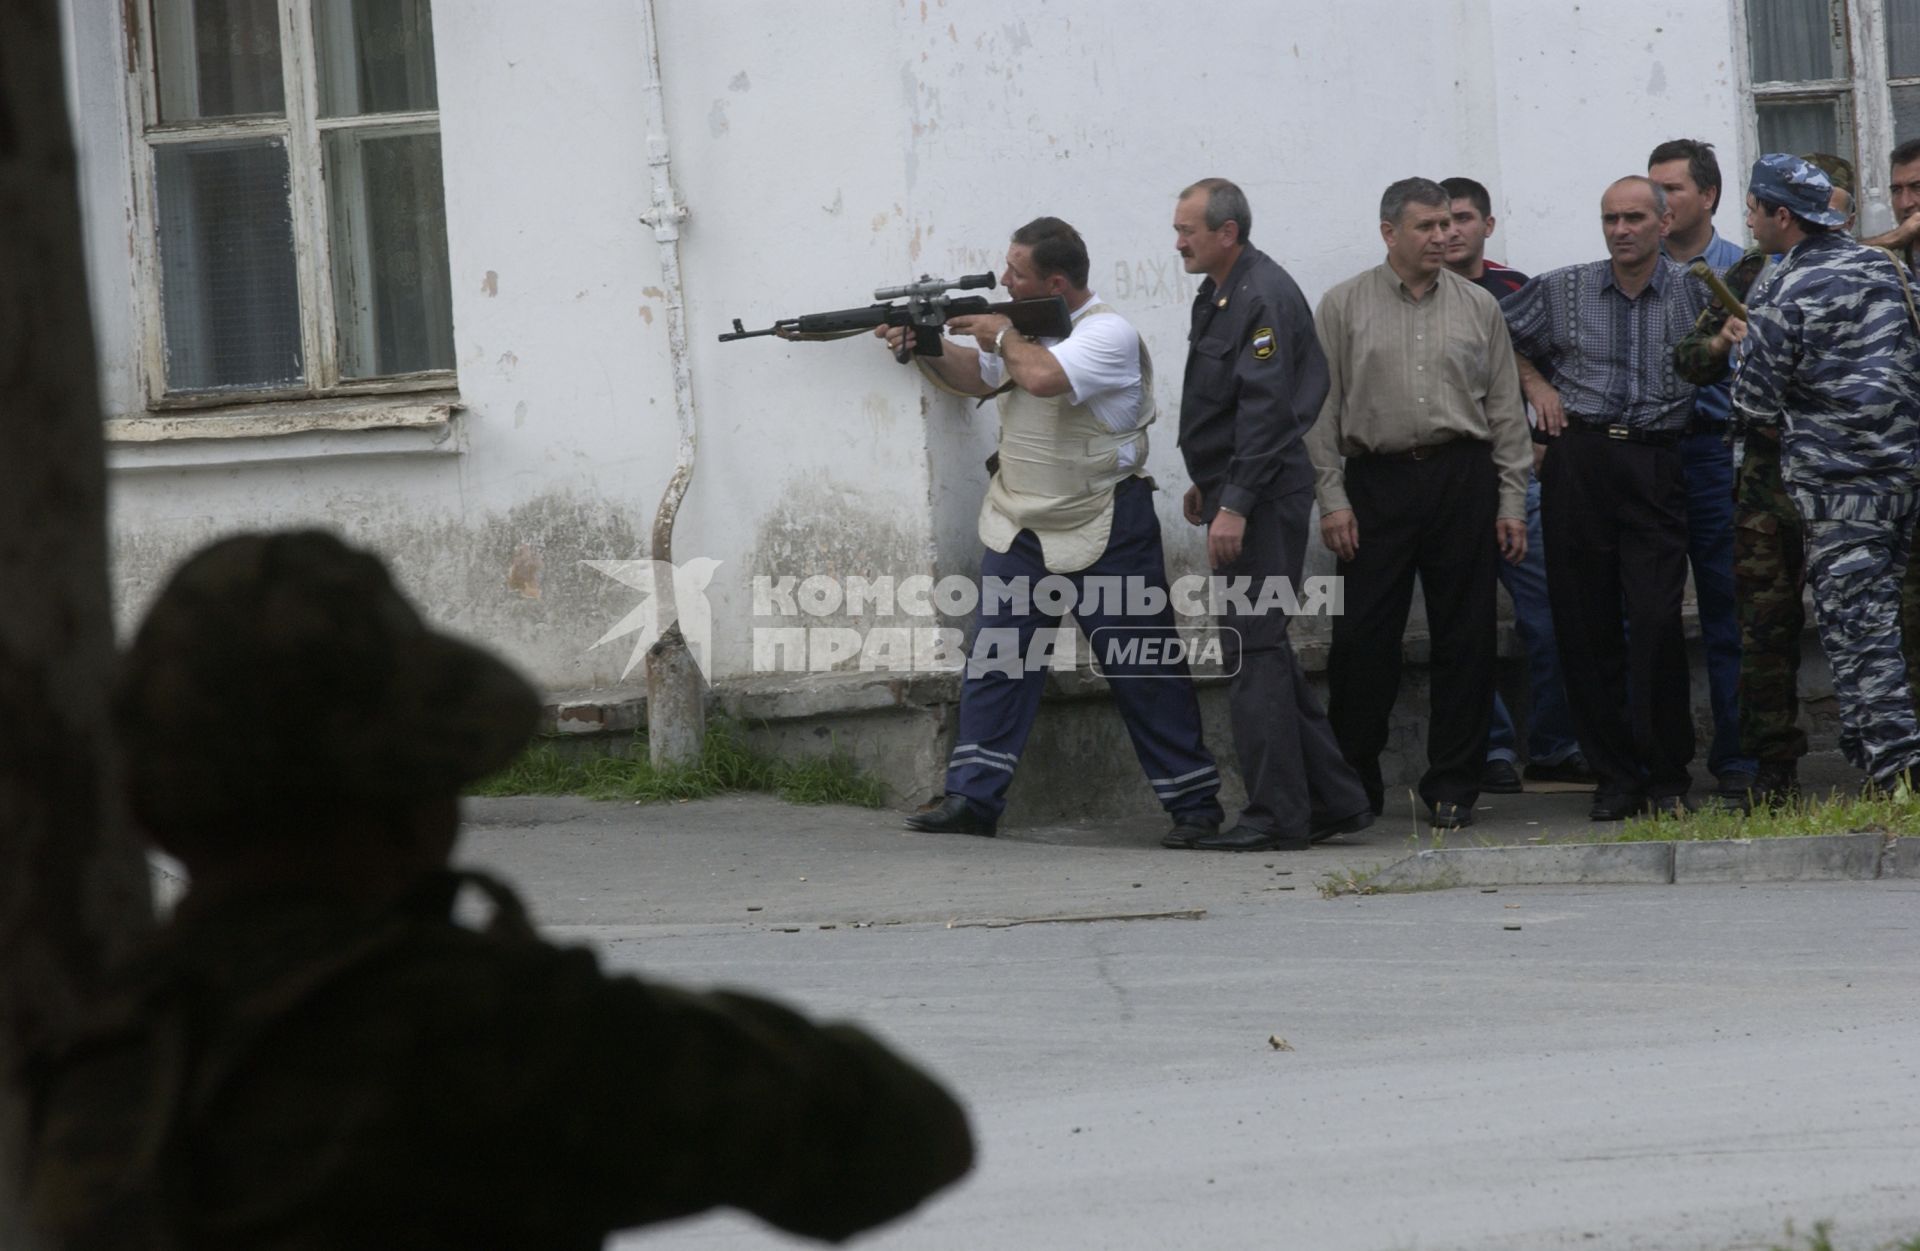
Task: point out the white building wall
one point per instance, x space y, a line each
825 149
1585 91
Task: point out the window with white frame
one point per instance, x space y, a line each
1838 76
293 228
1800 58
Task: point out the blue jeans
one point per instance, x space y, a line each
1708 465
1550 736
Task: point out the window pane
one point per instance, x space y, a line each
217 58
1906 114
1792 41
1801 126
1903 39
232 304
376 56
392 293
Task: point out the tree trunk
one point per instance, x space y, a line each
73 885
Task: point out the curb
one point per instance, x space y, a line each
1815 858
1902 859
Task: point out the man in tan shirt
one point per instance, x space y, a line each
1425 412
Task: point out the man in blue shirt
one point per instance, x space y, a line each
1690 175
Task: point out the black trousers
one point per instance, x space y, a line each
1434 518
1296 779
1614 516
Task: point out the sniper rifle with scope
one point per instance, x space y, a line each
925 307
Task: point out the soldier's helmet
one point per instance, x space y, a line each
280 678
1838 169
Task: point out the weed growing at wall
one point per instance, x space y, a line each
726 764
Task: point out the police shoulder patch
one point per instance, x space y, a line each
1263 343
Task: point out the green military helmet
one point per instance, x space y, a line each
1838 169
282 679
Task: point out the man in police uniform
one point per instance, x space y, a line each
1832 357
1068 497
1770 543
314 1054
1254 384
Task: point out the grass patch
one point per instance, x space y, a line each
1349 882
726 765
1367 882
1869 813
1821 1239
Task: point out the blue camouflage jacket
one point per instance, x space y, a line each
1832 357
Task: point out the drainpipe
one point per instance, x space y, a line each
676 691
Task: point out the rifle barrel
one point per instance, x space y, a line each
1721 294
739 332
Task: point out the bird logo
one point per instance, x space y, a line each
684 589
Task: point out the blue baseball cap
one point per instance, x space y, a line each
1802 187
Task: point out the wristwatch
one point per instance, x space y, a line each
1000 339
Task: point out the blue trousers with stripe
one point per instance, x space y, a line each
1155 698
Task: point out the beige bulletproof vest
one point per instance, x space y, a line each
1058 466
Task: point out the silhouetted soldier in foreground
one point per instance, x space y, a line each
315 1055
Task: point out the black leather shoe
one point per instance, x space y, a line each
1500 778
1344 825
952 815
1615 806
1241 838
1451 816
1573 769
1186 829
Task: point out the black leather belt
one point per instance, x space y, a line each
1625 434
1413 455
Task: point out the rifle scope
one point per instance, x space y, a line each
929 285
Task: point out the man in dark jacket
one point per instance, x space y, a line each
1254 384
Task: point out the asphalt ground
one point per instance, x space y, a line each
1672 1067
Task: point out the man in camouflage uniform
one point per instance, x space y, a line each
1769 544
314 1054
1832 358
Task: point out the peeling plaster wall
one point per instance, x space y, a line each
827 149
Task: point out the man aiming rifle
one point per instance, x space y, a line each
1069 496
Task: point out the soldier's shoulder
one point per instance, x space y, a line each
1269 296
1266 276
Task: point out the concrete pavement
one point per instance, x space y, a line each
1670 1068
